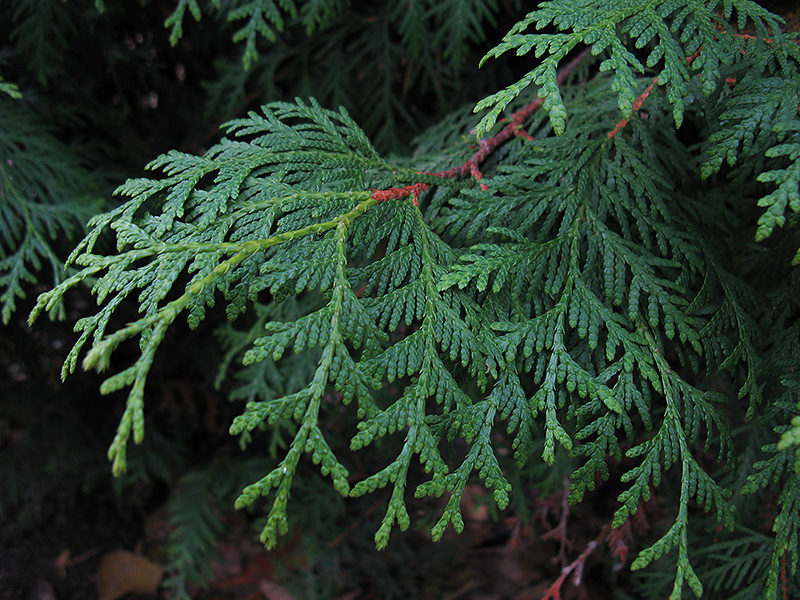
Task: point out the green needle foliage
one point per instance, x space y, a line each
44 194
586 283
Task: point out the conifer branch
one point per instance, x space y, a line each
486 147
571 294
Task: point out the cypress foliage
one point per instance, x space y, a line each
607 274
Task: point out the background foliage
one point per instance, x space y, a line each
599 287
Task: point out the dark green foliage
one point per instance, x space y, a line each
385 61
586 286
44 195
195 518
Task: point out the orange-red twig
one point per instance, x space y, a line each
575 568
636 106
413 190
689 60
485 147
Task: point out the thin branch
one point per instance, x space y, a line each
485 147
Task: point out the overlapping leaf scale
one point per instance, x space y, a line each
522 341
350 380
786 179
590 318
640 195
329 466
586 385
700 410
401 359
387 228
184 171
443 327
669 446
45 197
175 20
694 483
319 129
290 406
548 400
475 425
469 214
389 274
354 324
648 289
462 342
17 269
309 331
460 22
513 407
730 335
358 327
420 441
654 28
263 18
286 156
405 304
493 266
649 469
441 384
308 266
593 25
157 278
597 452
344 373
406 412
747 118
785 548
153 265
252 220
558 45
399 415
634 395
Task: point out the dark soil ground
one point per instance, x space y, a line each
60 558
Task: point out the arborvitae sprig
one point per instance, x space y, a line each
448 24
194 513
781 465
573 292
633 38
41 199
392 63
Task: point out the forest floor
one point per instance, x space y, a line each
88 549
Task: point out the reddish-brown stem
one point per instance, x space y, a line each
485 147
785 592
414 190
636 106
559 532
689 60
575 567
619 542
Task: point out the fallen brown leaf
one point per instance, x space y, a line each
122 572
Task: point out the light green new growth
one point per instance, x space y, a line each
11 89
